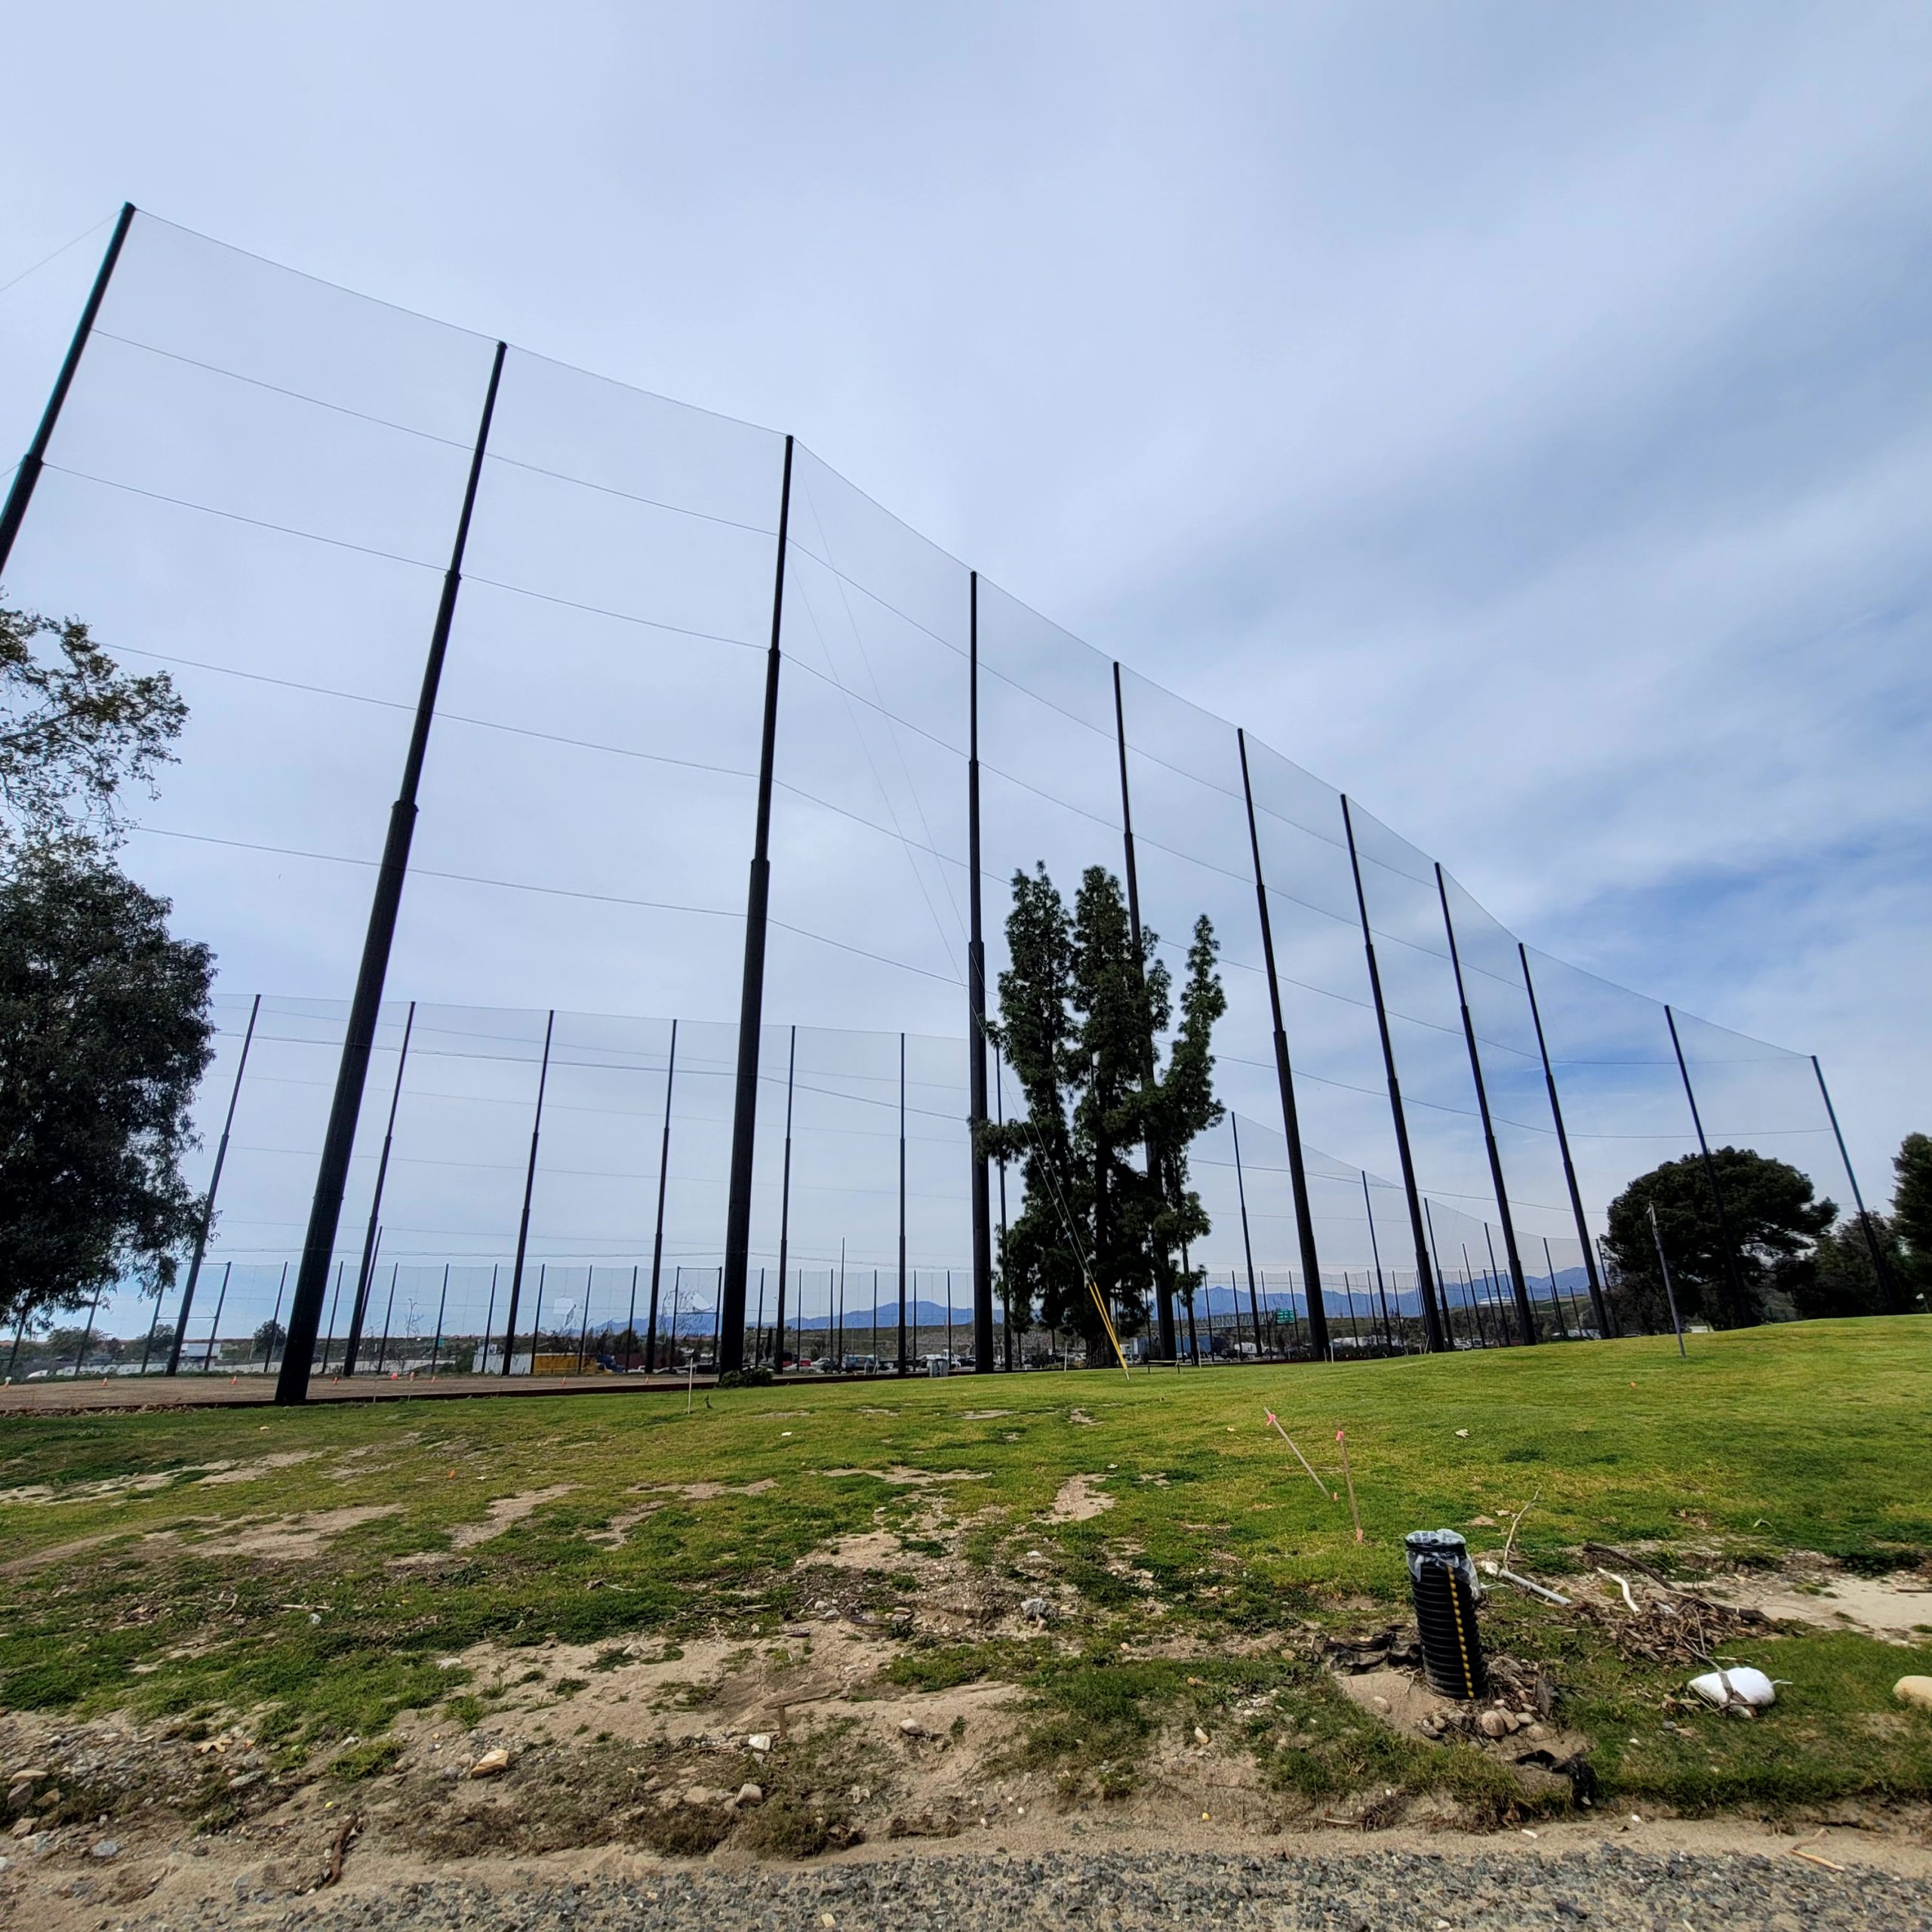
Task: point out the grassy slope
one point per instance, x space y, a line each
1811 1437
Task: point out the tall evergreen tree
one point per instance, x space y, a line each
1082 1013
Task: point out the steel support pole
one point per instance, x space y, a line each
1519 1285
523 1222
751 1003
1740 1307
1375 1253
1555 1298
20 493
367 1272
1157 1165
902 1363
388 1315
1284 1079
1248 1246
1563 1146
275 1320
785 1197
358 1038
442 1303
657 1237
1424 1280
207 1206
980 1182
1887 1287
1429 1220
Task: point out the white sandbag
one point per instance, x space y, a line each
1744 1686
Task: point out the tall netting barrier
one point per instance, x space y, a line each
707 738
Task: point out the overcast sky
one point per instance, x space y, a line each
1521 416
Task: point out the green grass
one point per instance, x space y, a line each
119 1591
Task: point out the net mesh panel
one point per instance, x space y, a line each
255 485
1425 1017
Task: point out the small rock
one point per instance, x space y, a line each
1914 1691
22 1828
104 1849
491 1764
912 1727
1200 1736
1493 1724
1035 1607
33 1774
759 1741
241 1780
750 1793
1541 1731
1380 1703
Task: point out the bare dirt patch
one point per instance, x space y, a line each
293 1537
707 1492
1897 1608
901 1477
1080 1500
282 1459
505 1514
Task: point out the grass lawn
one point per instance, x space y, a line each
313 1571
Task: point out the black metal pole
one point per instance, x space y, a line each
442 1303
523 1223
1375 1252
584 1330
367 1273
840 1349
980 1182
1424 1280
1886 1286
346 1107
1555 1298
757 1347
751 1005
87 1331
1734 1280
1495 1276
1518 1284
275 1320
21 493
1157 1167
1429 1220
207 1206
1563 1145
215 1328
335 1308
388 1315
1284 1079
903 1363
658 1238
785 1196
1247 1246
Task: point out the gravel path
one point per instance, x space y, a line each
1120 1892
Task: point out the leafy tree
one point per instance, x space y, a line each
1082 1011
103 1015
73 730
267 1338
104 1035
1774 1218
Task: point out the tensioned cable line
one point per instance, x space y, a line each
548 891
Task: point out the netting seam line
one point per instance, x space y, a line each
838 684
431 435
236 516
104 220
898 752
548 891
392 557
442 717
